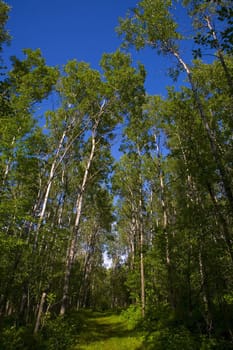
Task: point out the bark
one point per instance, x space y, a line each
8 164
132 240
68 267
49 184
58 158
40 310
213 145
74 237
87 269
205 292
221 220
163 204
152 223
143 302
218 213
220 54
141 237
165 228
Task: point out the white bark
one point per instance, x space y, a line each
40 310
212 141
49 184
72 247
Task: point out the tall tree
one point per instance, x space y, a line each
151 24
104 101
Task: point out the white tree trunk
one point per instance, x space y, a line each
42 301
72 247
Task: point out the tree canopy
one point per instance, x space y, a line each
161 212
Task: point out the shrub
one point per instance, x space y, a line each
171 339
61 332
133 316
21 338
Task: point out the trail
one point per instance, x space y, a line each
105 331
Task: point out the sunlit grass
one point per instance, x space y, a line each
107 332
113 344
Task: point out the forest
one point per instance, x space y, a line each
162 212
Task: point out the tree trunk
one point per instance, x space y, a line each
48 188
58 158
71 249
220 54
86 269
165 228
205 292
40 310
221 220
143 302
213 145
8 163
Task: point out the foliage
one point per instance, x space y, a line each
133 316
61 333
4 34
172 339
162 211
19 338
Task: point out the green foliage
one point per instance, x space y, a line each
21 338
61 333
13 258
171 226
172 339
150 23
133 316
4 34
166 331
57 334
210 343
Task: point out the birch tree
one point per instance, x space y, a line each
151 24
105 100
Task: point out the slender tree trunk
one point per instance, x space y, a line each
221 220
58 158
163 204
165 227
49 184
220 54
133 234
8 163
86 269
141 235
71 249
141 242
219 217
205 291
213 145
143 302
69 259
40 310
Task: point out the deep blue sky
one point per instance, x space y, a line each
81 29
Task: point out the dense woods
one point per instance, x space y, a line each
162 211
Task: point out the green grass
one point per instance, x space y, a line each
107 331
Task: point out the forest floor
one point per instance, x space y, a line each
108 331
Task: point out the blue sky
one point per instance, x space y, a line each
81 29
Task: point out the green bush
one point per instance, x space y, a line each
171 339
61 333
133 316
56 334
214 344
21 338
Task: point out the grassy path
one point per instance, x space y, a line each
107 332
